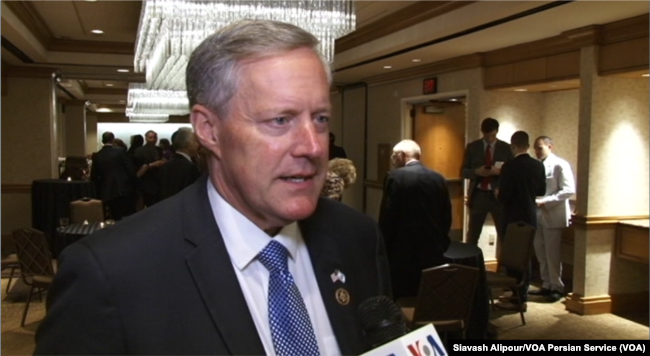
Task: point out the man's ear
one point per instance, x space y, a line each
205 125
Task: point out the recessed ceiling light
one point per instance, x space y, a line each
109 84
388 67
123 70
416 60
97 32
645 75
104 110
521 89
453 99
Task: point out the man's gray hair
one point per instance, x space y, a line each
212 74
182 138
409 147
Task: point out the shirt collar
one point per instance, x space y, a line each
243 239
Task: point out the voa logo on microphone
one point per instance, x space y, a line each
430 347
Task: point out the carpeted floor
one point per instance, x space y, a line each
544 322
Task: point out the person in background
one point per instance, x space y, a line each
334 150
166 147
553 214
119 143
180 171
113 174
522 179
340 175
415 218
482 166
151 159
207 270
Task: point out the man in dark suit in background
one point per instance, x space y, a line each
522 180
191 275
482 166
415 218
336 151
113 173
151 157
180 171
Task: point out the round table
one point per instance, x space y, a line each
51 201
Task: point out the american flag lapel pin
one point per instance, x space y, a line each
337 276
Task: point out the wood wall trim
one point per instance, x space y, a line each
29 72
583 221
588 305
630 302
634 27
16 188
373 184
397 21
60 45
469 61
541 48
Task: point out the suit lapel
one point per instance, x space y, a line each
323 252
214 276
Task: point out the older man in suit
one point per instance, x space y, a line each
113 173
553 215
522 180
482 166
180 171
248 260
415 218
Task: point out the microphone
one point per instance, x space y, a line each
382 320
385 329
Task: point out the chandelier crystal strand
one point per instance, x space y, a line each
169 30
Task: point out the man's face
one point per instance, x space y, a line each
272 150
152 138
542 149
491 136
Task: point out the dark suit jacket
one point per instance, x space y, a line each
415 219
113 173
176 175
148 182
161 282
337 152
522 179
475 157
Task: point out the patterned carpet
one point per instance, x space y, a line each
17 340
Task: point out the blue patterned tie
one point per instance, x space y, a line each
291 328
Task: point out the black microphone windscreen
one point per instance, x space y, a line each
382 320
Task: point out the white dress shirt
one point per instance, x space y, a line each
244 240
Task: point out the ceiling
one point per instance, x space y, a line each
57 34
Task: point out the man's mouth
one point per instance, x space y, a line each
295 179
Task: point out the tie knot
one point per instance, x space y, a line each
274 257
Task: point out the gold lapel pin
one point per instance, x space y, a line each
342 296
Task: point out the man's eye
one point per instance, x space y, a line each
323 119
281 120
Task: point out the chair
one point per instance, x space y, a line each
445 298
36 267
86 209
515 257
10 261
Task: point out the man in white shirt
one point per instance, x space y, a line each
553 215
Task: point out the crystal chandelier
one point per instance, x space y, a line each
146 105
169 30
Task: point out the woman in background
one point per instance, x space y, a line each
341 174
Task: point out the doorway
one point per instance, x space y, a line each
438 124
